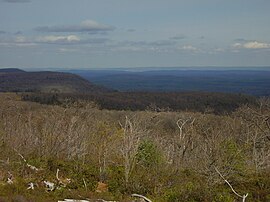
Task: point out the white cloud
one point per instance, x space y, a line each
189 48
52 40
58 39
237 45
20 39
67 50
251 45
256 45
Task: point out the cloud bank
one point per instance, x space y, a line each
50 39
252 45
58 39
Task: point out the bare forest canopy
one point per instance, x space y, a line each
54 152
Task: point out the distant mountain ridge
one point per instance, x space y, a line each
252 82
11 70
17 80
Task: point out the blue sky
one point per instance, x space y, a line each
129 33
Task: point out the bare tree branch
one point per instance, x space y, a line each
27 164
141 196
243 197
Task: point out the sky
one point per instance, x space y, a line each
82 34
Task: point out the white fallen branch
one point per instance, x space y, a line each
62 182
85 185
78 200
141 196
243 197
27 164
9 181
31 186
57 174
102 200
32 167
49 185
73 200
10 178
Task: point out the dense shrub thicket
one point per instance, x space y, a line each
166 156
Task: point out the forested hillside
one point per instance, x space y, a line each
16 80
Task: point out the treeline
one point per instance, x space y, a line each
217 103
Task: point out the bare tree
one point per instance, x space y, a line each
132 134
256 122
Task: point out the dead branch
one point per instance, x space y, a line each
31 185
141 196
183 122
75 200
243 197
10 178
57 174
49 185
62 182
27 164
85 185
